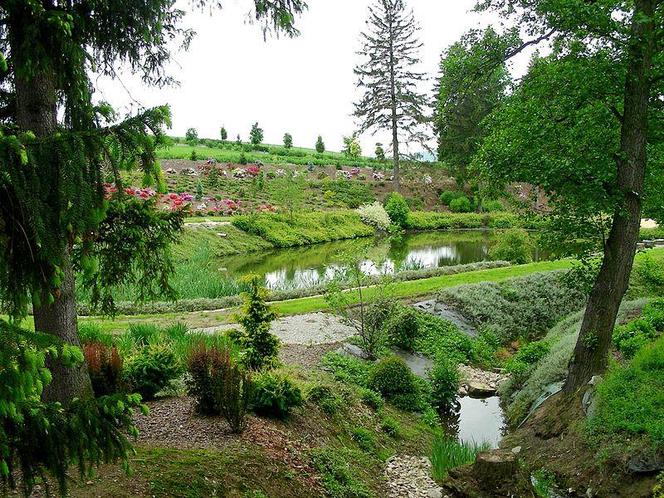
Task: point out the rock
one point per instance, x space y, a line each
480 389
495 469
435 493
596 379
463 390
646 463
516 450
219 234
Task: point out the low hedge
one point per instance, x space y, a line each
427 220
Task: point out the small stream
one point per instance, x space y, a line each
302 267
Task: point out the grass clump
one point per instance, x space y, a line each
630 400
449 453
338 478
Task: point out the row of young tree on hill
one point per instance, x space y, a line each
351 147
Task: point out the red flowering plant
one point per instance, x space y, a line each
253 170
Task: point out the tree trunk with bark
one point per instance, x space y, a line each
36 111
591 352
393 109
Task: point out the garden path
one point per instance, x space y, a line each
306 329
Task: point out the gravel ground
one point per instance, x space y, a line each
410 476
307 329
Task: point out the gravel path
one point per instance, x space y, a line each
410 476
307 329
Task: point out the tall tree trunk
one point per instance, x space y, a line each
393 109
591 351
36 111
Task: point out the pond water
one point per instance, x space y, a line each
304 267
476 420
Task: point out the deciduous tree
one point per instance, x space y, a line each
586 127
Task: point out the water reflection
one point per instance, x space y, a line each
306 266
476 420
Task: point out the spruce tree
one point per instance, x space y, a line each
320 145
388 76
60 221
224 134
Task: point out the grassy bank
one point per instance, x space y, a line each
304 228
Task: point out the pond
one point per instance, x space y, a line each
478 420
303 267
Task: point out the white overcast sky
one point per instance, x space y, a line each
305 86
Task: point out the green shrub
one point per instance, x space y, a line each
261 347
492 206
397 209
364 439
461 205
390 427
449 453
338 479
444 378
275 395
653 312
431 417
391 377
523 307
325 397
630 400
402 328
143 334
448 196
371 398
629 338
150 370
522 362
514 246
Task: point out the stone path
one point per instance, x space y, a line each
410 476
307 329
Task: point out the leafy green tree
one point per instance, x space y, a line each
463 100
397 208
380 152
191 136
585 126
256 135
320 145
223 133
352 147
289 192
388 76
57 149
288 140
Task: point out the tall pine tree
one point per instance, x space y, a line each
388 76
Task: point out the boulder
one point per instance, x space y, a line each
480 390
646 463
